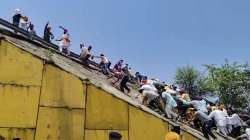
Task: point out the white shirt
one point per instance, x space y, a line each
234 120
219 116
149 91
24 24
225 111
104 60
248 133
65 43
199 105
85 52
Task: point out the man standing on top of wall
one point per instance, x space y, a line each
48 35
64 41
17 17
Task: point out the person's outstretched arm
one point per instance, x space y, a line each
59 39
96 56
47 24
46 27
62 27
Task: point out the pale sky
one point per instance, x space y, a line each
154 36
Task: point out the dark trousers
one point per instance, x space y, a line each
109 64
157 105
46 38
154 104
65 51
85 60
104 68
16 23
182 108
123 84
236 131
197 123
206 129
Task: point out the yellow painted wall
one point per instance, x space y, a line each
61 89
42 102
103 134
18 106
18 66
104 111
188 136
145 126
60 124
11 133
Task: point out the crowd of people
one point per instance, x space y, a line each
170 101
175 103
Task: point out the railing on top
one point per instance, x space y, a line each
48 45
41 40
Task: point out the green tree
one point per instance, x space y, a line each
188 77
230 81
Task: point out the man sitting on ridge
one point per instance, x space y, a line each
85 54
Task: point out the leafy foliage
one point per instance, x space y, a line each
187 77
230 81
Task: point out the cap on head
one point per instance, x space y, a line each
101 54
17 11
115 135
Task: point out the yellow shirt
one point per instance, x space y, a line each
172 136
185 97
